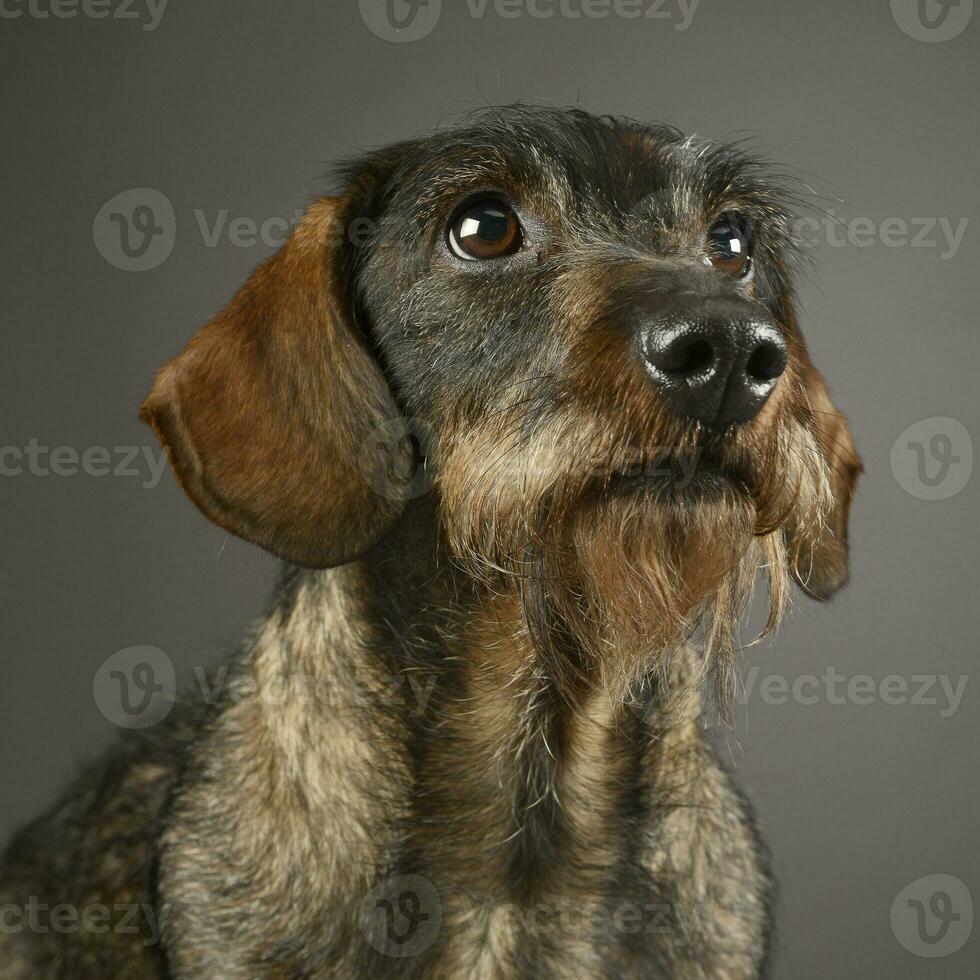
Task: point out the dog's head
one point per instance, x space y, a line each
592 320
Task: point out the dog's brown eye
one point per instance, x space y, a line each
487 229
730 241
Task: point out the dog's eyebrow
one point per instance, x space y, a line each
427 193
659 199
465 175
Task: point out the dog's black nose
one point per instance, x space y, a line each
717 365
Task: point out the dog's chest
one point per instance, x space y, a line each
524 832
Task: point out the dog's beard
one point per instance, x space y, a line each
617 572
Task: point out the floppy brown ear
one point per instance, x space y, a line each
821 566
264 413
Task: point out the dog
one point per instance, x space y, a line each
524 408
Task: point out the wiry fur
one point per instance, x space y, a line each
495 693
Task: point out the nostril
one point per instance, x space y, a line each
686 356
767 362
696 358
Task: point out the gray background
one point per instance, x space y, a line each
240 105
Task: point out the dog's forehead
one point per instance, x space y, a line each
562 154
568 161
561 162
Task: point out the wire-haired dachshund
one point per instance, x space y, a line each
524 408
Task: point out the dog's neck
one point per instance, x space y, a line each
421 692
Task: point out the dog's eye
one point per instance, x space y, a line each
730 241
486 229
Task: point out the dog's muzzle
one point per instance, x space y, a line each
716 360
